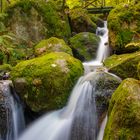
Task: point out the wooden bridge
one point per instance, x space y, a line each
96 6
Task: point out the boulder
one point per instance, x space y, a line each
123 24
104 84
124 112
97 88
52 44
32 21
81 22
46 81
84 45
124 65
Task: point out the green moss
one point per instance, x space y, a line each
123 24
50 79
125 65
124 112
52 44
84 45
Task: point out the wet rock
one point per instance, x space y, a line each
6 120
86 123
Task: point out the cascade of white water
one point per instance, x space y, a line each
102 128
78 120
102 52
58 124
14 122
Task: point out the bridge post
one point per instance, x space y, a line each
103 3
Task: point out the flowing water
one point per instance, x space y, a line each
102 52
11 117
78 120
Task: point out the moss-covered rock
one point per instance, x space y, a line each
84 45
33 21
104 85
125 65
48 80
52 44
123 24
81 21
124 112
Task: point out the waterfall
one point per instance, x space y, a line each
78 120
11 117
59 125
101 132
102 52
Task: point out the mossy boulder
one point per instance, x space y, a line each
81 21
84 45
124 65
123 24
124 112
48 79
104 85
52 44
32 21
